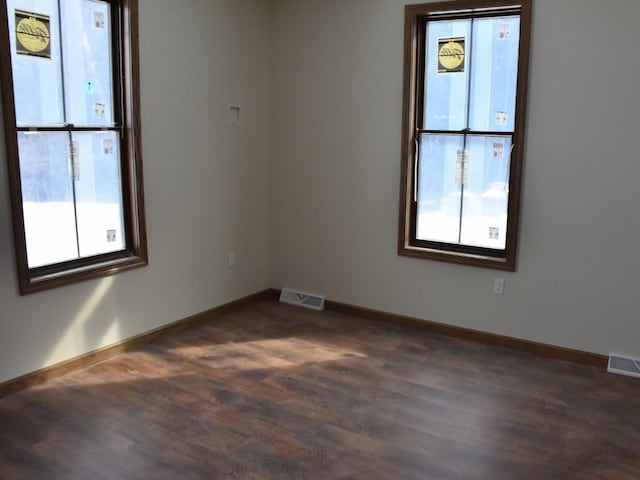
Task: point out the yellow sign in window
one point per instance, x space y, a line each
32 34
451 55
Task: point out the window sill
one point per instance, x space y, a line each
44 281
496 263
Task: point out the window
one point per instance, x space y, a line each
71 115
465 82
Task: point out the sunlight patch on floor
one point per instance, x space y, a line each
253 355
269 353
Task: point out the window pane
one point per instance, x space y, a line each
446 75
98 193
439 188
494 74
87 62
37 79
47 198
486 192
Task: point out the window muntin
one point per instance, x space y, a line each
72 140
462 142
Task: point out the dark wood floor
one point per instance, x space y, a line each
274 392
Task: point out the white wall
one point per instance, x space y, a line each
206 188
336 96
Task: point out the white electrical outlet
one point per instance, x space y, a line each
232 259
498 286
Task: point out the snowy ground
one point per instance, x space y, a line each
484 219
51 231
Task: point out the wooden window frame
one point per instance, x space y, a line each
126 76
413 91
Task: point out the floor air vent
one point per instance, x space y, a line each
624 366
307 300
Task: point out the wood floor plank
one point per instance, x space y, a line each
275 392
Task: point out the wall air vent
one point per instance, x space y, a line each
624 366
301 299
